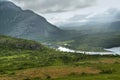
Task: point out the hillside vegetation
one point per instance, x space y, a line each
92 39
28 60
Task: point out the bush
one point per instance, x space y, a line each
48 77
73 74
107 71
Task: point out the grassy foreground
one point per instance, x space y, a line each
28 60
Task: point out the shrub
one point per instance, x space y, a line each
107 71
48 77
73 74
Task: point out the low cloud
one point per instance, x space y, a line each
52 6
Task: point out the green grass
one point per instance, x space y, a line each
33 61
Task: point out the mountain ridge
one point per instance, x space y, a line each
25 23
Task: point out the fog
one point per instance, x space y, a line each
58 12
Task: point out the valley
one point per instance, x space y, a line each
90 36
83 47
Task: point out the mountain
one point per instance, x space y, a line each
93 20
98 32
25 23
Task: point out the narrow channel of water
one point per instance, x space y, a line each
115 50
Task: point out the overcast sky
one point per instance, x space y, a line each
60 11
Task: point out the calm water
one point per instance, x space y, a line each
115 50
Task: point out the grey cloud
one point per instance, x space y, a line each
77 17
49 6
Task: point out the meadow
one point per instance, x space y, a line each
29 60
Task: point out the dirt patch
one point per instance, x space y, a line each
55 72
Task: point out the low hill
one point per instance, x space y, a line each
17 54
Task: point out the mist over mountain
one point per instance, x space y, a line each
86 32
97 31
94 19
25 23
